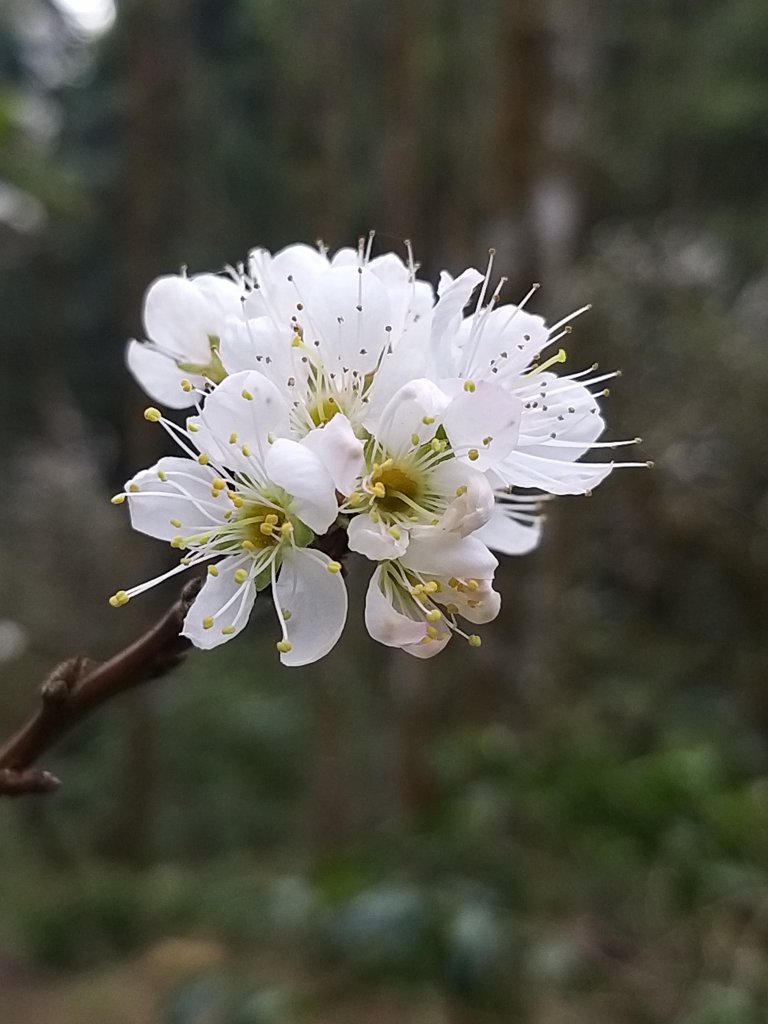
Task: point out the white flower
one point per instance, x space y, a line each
332 335
413 602
183 318
253 502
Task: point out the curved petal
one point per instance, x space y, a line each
182 314
401 426
453 295
558 476
505 534
221 609
479 605
384 623
501 341
173 498
315 601
471 499
246 409
438 553
159 375
301 473
484 421
339 450
374 539
258 344
563 408
349 312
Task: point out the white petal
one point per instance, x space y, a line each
184 496
570 413
506 338
374 539
301 473
469 510
454 295
339 450
349 311
438 553
159 375
403 417
223 601
485 420
383 621
316 600
258 344
182 314
477 606
503 533
229 412
558 476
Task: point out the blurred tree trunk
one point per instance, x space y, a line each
155 52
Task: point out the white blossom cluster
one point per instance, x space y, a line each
340 393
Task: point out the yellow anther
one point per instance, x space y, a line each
247 395
176 523
354 498
284 646
162 475
287 613
237 501
218 484
227 630
473 454
296 341
473 603
333 567
186 385
266 529
213 570
394 533
437 445
192 427
241 575
208 622
133 488
119 599
469 385
461 491
248 545
434 615
415 439
431 587
177 542
246 450
427 420
473 585
431 632
452 609
203 459
474 640
379 489
233 437
387 464
418 590
453 582
271 518
487 441
286 529
152 414
118 499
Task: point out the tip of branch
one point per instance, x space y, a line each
27 781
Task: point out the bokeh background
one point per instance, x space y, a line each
568 826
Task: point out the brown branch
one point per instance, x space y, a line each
78 686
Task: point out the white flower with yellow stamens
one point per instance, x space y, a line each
414 602
248 504
183 317
330 334
420 467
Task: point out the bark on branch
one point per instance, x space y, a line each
78 686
